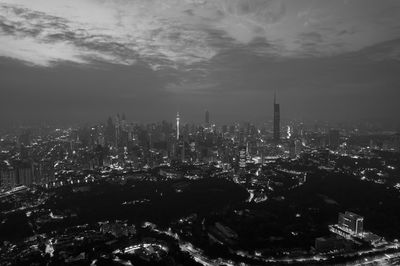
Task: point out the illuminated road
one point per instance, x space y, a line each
384 260
198 255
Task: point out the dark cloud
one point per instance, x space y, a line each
310 37
384 51
326 59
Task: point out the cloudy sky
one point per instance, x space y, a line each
82 60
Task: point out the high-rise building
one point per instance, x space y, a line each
351 222
8 178
334 139
242 157
182 146
25 138
207 118
277 120
292 149
298 146
177 125
110 131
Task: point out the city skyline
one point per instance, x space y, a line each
199 132
271 121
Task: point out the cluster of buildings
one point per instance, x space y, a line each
348 233
38 155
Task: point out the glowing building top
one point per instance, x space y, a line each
177 125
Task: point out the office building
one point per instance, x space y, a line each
351 222
277 122
242 157
334 139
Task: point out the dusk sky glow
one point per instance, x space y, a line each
82 60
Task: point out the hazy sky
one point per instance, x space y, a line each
83 60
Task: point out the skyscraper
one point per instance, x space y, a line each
242 157
110 131
334 138
177 125
207 118
277 120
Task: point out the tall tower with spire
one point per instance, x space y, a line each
177 125
277 120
